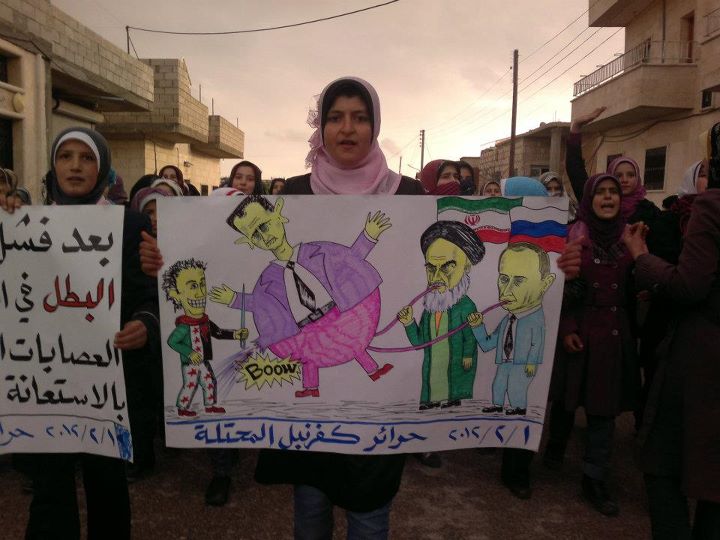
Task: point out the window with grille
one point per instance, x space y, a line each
655 168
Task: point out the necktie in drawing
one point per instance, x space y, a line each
307 298
508 345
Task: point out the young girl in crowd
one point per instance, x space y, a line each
145 202
467 178
596 367
247 177
168 186
490 189
174 175
80 160
276 186
679 440
555 188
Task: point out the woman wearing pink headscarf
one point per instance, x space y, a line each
345 159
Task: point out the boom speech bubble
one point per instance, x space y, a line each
260 369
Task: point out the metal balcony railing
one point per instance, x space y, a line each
712 22
648 52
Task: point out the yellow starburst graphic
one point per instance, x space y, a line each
260 369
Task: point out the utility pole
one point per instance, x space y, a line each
514 114
422 149
127 35
400 167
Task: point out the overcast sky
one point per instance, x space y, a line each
438 65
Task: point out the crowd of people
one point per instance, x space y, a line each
641 309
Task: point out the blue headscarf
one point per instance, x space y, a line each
522 186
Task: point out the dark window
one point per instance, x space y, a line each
537 170
706 100
610 159
204 189
655 168
6 143
3 69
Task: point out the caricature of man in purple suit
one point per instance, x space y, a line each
317 302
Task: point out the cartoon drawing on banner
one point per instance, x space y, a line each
315 288
519 339
317 303
450 362
184 285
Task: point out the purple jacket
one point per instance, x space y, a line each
342 270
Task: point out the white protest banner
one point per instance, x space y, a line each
61 379
359 324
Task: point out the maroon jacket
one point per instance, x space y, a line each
681 435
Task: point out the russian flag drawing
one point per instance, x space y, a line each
497 220
541 221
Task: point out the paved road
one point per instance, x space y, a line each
462 500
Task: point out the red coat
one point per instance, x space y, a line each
604 376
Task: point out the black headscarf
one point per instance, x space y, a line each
604 232
99 147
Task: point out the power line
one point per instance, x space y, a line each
264 29
404 147
473 103
554 56
575 64
561 60
556 35
133 46
486 110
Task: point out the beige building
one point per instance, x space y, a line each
537 151
660 94
56 73
176 130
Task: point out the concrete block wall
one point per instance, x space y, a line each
174 110
78 51
128 159
223 133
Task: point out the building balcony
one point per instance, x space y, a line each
614 12
655 79
224 139
175 115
